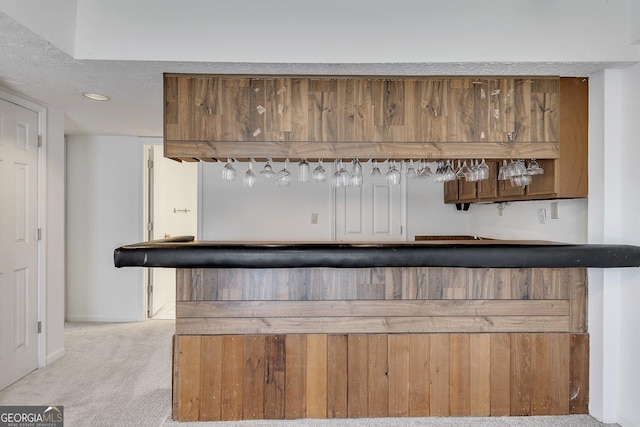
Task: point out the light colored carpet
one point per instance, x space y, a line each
119 374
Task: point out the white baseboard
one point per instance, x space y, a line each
104 319
55 355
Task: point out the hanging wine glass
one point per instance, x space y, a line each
283 177
249 179
425 170
344 175
267 171
336 178
463 171
483 171
376 172
503 172
393 174
438 175
449 173
474 171
356 174
303 171
319 174
229 171
534 168
411 171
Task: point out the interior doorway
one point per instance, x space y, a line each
171 210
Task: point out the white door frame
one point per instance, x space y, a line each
42 215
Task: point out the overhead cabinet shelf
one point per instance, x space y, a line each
209 117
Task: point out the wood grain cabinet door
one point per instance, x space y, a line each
488 188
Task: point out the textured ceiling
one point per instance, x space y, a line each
32 67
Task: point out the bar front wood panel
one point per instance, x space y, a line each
379 300
271 109
384 375
378 342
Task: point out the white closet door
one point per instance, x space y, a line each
18 242
372 212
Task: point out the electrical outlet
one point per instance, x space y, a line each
542 216
554 210
314 218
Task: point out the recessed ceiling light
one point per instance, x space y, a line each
95 96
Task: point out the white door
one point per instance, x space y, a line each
18 242
173 208
372 212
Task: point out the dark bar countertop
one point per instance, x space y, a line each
184 252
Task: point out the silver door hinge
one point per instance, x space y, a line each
149 226
39 141
39 327
150 164
149 289
39 234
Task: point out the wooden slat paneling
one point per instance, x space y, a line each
294 343
253 383
188 351
459 375
211 378
333 325
378 375
541 375
480 374
358 372
214 109
520 374
439 355
337 376
232 377
316 376
500 375
274 384
295 375
399 375
578 299
559 373
329 150
579 377
368 308
419 374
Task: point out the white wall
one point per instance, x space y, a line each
613 205
270 213
266 212
55 235
427 215
357 31
519 220
104 211
629 351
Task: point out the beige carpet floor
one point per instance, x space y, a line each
118 374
